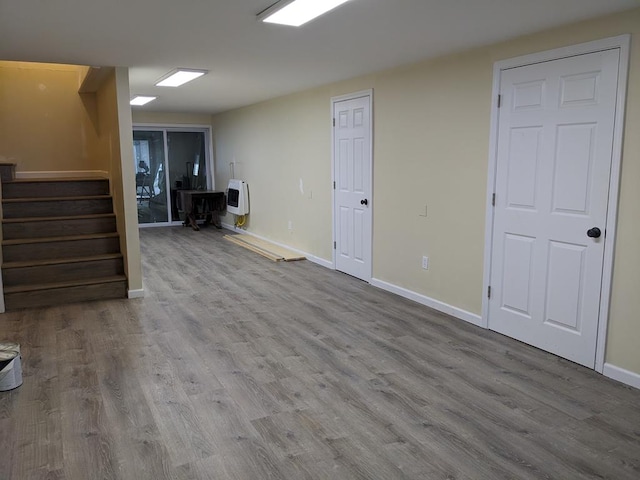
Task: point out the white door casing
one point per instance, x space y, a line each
352 173
556 138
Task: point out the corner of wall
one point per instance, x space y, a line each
125 185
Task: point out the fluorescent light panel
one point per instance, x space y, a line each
298 12
180 77
141 100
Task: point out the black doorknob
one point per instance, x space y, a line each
594 232
364 202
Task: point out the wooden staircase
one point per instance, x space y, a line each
60 243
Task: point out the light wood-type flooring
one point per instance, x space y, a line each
236 367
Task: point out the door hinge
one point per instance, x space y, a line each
499 101
334 122
489 292
334 185
335 245
493 200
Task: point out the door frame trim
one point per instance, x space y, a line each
341 98
621 42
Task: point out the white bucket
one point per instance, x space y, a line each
11 371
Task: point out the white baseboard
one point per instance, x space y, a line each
620 374
403 292
308 256
228 226
429 302
161 224
139 293
320 261
64 174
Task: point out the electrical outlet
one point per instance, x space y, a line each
425 263
290 225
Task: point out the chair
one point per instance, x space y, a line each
144 191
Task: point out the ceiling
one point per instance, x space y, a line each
250 61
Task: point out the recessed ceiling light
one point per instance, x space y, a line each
180 77
297 12
141 100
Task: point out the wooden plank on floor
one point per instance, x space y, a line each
263 247
287 254
236 239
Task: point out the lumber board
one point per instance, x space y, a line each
264 253
281 253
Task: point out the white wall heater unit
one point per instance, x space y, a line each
237 197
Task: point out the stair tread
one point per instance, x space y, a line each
58 179
55 199
20 241
54 285
59 261
61 218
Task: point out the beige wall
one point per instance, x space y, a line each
431 142
275 147
45 125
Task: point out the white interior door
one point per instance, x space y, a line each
555 140
352 174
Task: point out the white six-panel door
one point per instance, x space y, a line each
555 139
352 174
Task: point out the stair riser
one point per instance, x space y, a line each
7 171
60 249
55 189
60 296
58 228
62 272
57 208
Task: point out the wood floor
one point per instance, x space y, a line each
236 367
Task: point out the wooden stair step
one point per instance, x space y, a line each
57 179
53 199
56 261
55 187
60 247
32 227
50 294
60 218
56 206
69 283
65 238
62 269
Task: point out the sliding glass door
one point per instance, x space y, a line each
168 160
187 164
151 191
